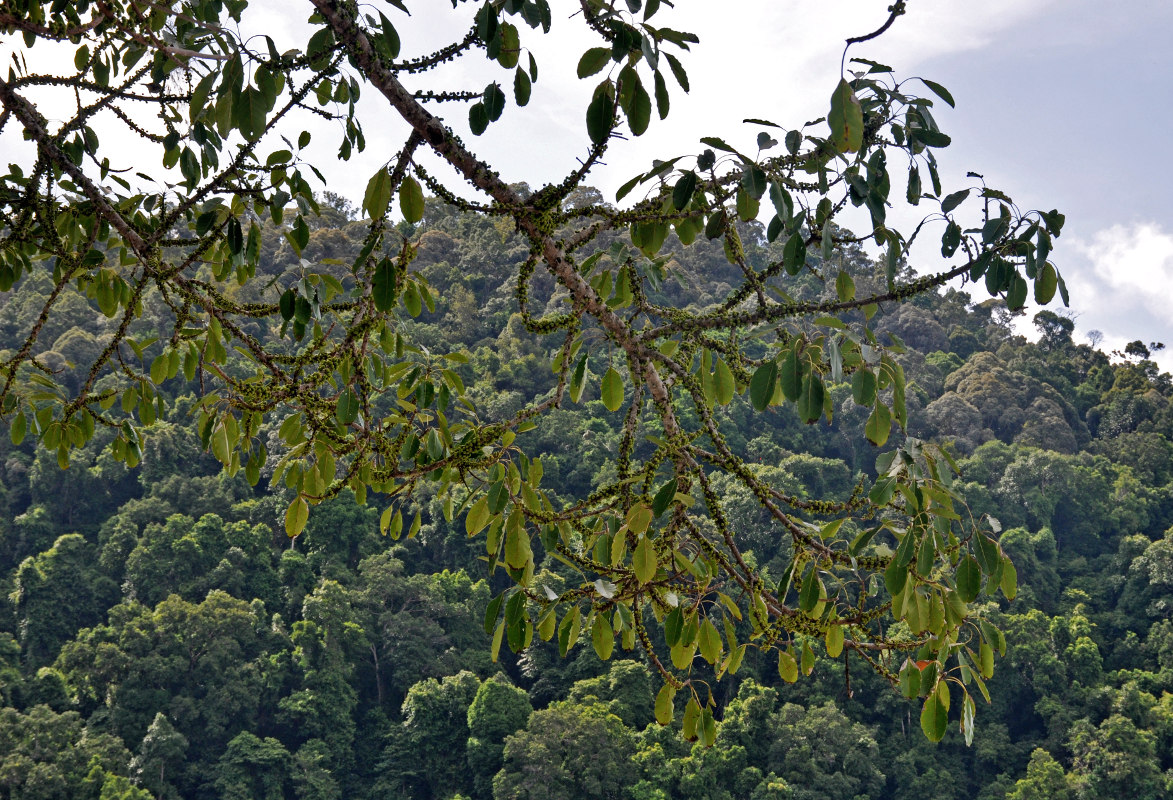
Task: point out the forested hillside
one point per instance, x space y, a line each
160 636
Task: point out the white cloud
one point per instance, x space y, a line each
1121 283
1134 263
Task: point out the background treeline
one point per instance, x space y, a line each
161 637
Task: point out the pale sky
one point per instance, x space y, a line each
1061 103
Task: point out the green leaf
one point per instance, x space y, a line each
939 90
794 253
578 379
673 625
790 375
347 408
159 369
1009 582
863 387
710 642
810 402
478 516
664 497
383 285
953 201
834 640
568 630
910 679
478 118
808 658
249 110
787 667
378 194
1045 284
754 180
390 37
644 560
969 579
612 390
934 718
845 119
517 547
986 660
521 87
411 199
844 287
661 91
665 700
683 191
895 577
296 516
1016 295
879 425
761 385
494 100
492 612
593 60
724 383
812 591
495 647
602 637
692 718
20 426
600 116
639 116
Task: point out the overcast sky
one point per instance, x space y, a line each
1061 103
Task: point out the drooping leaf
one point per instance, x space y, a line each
761 385
600 116
969 579
934 718
612 389
378 194
347 407
834 640
682 192
664 704
296 516
845 119
411 199
644 561
602 637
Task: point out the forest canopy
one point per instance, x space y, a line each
316 377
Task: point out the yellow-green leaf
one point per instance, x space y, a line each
602 637
296 516
378 194
478 516
845 119
664 704
644 561
612 390
724 383
834 640
710 641
787 667
411 199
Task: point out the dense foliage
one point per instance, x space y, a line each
715 518
315 376
161 636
